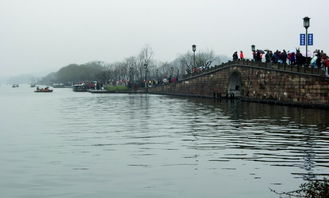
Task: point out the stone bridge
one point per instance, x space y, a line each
253 81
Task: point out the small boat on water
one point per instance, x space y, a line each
58 85
84 86
43 90
15 85
80 87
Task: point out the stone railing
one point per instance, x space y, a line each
296 69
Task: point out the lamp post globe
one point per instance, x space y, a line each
193 48
253 47
306 22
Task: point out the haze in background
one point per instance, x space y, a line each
40 36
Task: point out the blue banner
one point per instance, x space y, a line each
309 39
302 40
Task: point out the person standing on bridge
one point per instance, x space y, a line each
241 55
254 55
235 56
326 64
267 56
284 56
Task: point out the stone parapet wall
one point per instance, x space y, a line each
261 84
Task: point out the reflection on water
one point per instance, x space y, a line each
277 135
68 144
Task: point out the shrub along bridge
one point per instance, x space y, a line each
255 81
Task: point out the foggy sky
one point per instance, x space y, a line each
45 35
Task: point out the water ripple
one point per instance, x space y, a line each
133 142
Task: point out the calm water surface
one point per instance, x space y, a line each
80 145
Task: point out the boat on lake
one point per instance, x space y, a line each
58 85
43 90
81 87
84 86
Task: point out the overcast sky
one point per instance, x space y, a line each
45 35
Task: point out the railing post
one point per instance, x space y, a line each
318 70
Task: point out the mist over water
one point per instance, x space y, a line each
68 144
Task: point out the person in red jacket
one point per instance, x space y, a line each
325 64
241 55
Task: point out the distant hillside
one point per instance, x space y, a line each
75 73
21 79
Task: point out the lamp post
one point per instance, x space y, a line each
157 75
131 77
306 23
193 49
146 82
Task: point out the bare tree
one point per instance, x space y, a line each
132 69
146 54
164 69
144 58
184 63
205 59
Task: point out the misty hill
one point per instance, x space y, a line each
75 73
21 79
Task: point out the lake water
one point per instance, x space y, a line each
81 145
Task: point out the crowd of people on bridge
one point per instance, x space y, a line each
236 57
319 59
